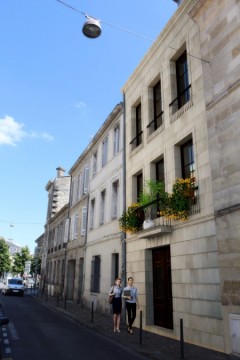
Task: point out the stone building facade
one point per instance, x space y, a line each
182 119
94 247
83 242
56 234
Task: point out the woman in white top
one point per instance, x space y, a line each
131 295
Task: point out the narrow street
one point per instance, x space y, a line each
36 332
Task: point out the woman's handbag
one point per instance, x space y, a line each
110 298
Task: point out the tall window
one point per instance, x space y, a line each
75 226
139 124
84 221
187 160
139 185
137 140
85 179
115 200
102 207
104 151
94 165
66 230
92 214
160 171
115 267
157 109
182 83
95 274
116 139
182 80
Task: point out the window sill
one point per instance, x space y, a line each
181 111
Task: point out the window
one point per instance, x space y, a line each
84 221
115 200
80 186
66 230
160 171
115 267
94 168
95 274
116 140
182 80
157 109
137 140
86 179
75 226
182 83
187 160
92 213
73 191
102 207
104 151
139 185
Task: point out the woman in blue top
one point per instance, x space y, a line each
131 302
116 292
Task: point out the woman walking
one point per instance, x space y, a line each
131 295
116 292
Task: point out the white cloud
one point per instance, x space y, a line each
81 105
11 132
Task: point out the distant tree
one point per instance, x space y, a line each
5 260
19 260
36 265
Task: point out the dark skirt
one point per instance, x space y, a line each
117 305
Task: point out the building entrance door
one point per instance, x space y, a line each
162 287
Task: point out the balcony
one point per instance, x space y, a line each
155 218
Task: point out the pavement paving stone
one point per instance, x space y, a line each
152 346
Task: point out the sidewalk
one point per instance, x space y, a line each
150 345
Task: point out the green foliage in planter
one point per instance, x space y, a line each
130 221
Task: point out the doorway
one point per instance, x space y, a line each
162 287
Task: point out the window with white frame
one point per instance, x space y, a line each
73 191
66 230
115 199
84 221
102 207
104 151
94 164
86 179
75 226
116 139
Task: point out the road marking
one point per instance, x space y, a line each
7 350
13 331
6 341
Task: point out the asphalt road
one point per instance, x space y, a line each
37 333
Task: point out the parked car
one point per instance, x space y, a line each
13 286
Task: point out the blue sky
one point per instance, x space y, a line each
57 87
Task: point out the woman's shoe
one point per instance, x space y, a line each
115 329
118 330
131 331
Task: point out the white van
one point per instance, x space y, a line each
13 286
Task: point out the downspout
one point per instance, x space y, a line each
123 235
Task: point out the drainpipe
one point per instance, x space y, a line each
123 236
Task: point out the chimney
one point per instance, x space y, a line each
60 171
178 1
